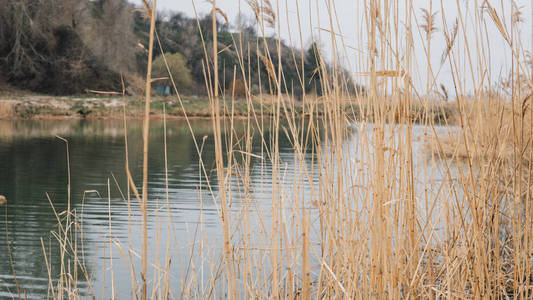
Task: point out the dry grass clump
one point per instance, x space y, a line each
7 109
492 128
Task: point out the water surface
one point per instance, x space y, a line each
34 177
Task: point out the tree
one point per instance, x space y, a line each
178 68
313 65
45 46
106 29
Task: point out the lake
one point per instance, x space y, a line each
185 226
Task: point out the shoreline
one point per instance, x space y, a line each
44 107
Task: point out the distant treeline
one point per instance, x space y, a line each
66 46
69 46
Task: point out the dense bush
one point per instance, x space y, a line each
47 46
238 88
178 68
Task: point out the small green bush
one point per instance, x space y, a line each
178 67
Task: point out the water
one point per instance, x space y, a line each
33 169
34 178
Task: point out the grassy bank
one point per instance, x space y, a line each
43 106
30 106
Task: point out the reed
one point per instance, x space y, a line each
151 10
385 202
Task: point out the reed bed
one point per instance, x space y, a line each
493 127
366 220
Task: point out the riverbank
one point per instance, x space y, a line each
34 106
90 106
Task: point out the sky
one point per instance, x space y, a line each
350 29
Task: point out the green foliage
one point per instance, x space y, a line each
179 33
178 68
313 70
49 46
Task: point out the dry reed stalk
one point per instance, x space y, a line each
221 176
67 237
378 235
9 251
146 126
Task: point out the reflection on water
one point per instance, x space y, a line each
33 164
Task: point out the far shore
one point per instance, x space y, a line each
35 106
32 106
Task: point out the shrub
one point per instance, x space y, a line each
72 68
238 88
178 67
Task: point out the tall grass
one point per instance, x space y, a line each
366 220
151 10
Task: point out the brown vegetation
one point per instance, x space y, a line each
493 128
45 43
363 224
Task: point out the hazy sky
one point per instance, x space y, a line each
348 20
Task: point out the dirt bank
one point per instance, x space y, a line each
28 106
54 107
